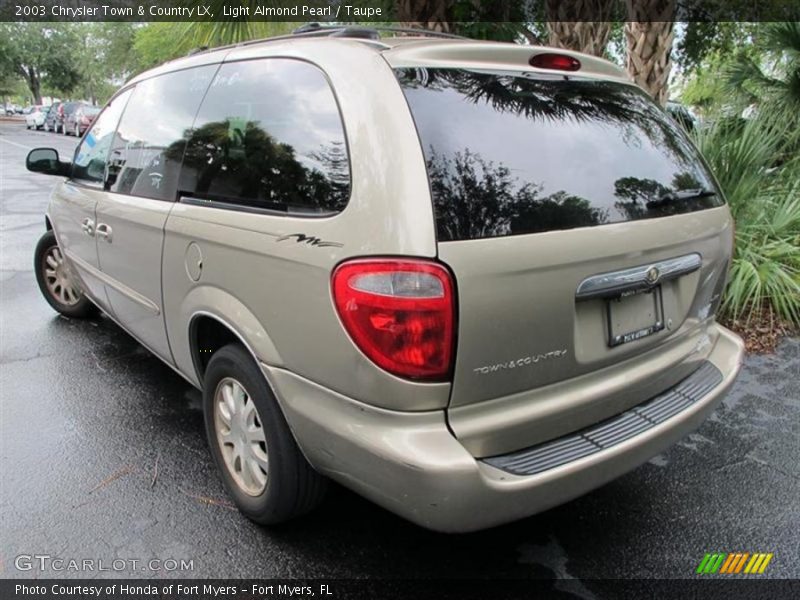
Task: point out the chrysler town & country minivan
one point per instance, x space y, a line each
468 280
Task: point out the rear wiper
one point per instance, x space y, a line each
678 195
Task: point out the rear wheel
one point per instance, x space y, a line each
77 131
261 464
55 281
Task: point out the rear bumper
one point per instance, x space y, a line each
411 464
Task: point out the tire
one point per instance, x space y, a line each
291 487
72 304
77 131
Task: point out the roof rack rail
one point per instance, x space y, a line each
345 31
317 29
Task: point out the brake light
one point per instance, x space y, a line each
558 62
400 314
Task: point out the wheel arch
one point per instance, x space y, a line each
216 318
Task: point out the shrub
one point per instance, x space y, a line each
764 197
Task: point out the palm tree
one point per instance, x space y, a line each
773 82
583 26
221 31
649 35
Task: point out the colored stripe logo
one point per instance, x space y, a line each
734 563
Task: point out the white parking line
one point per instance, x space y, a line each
16 144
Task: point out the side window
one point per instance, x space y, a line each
269 136
146 155
89 163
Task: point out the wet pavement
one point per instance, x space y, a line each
103 456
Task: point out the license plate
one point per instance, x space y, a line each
634 316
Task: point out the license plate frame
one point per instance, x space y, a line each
625 328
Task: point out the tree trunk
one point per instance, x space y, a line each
650 45
32 80
428 14
582 26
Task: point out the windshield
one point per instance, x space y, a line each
514 153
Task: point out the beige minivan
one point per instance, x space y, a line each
468 280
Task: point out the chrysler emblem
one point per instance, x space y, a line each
652 275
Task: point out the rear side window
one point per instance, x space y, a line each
269 136
145 159
514 153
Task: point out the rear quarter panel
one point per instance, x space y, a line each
276 291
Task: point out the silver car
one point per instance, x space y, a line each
468 280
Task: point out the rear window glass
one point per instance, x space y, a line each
512 153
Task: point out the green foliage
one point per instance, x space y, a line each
155 43
41 53
702 39
105 58
769 77
765 203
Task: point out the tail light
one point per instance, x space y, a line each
400 314
558 62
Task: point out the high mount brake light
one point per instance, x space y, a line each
558 62
400 314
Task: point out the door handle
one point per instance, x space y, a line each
88 226
104 231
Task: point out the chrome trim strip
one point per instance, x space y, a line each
637 278
110 281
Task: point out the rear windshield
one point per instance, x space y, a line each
511 153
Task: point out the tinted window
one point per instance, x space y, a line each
146 157
90 157
269 136
513 154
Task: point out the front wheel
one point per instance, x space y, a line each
261 465
56 282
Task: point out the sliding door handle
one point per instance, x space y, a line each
104 231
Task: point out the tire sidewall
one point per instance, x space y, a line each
274 503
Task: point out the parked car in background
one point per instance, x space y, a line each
67 117
79 120
53 121
681 114
35 117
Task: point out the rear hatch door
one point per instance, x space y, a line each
584 231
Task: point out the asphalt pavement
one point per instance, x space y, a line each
103 456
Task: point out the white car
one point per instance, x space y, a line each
35 118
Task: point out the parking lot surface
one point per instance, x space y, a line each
103 456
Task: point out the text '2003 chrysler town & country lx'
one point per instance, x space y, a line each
468 280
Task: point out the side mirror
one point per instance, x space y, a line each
45 160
